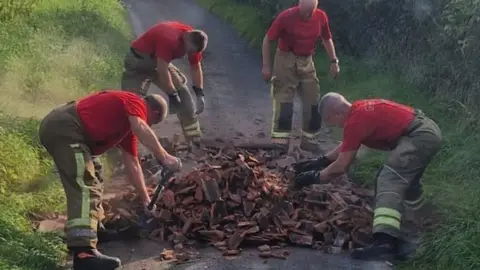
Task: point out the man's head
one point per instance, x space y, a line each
195 41
157 109
334 109
307 7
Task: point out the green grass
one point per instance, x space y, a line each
451 181
52 51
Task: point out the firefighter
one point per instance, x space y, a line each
413 140
297 29
74 132
149 60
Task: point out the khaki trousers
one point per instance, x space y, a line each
294 74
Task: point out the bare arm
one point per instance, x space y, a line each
333 155
197 75
165 77
330 49
135 175
339 166
147 137
266 52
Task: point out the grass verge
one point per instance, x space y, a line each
52 51
451 181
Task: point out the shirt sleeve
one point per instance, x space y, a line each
354 133
129 144
326 33
194 59
136 107
276 28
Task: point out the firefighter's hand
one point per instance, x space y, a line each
172 163
334 70
200 99
312 164
267 73
173 103
149 212
306 179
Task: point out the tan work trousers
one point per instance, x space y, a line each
61 133
140 71
292 74
398 180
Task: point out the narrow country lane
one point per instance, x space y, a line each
238 107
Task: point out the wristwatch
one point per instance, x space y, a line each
334 61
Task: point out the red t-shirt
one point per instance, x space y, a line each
375 123
165 41
104 117
297 35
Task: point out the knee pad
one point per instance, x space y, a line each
315 119
285 116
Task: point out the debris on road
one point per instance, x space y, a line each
240 196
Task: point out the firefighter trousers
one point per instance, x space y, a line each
292 74
140 71
61 133
398 182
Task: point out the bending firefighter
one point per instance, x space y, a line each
149 60
79 129
297 29
413 140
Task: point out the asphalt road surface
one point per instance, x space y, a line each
238 108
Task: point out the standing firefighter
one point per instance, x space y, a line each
413 140
298 29
149 60
73 133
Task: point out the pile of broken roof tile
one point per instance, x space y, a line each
238 198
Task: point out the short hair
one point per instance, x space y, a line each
199 39
157 103
313 2
330 102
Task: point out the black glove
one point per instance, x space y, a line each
173 102
306 179
200 99
315 164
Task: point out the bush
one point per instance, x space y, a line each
432 44
451 180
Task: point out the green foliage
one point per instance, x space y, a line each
62 50
52 51
14 9
19 162
19 245
432 44
368 28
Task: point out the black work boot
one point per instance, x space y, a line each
384 247
92 259
106 235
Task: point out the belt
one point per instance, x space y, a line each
137 55
296 55
418 112
416 122
71 108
